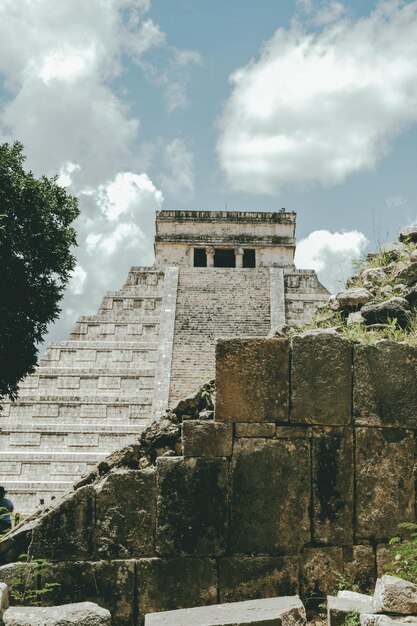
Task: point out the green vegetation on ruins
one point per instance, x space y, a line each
380 300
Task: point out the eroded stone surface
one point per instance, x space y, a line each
80 614
252 380
4 599
354 297
384 481
321 379
395 595
320 571
269 507
168 584
360 566
338 608
66 532
332 485
384 391
251 577
126 512
207 438
383 312
192 506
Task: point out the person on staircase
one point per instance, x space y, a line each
6 510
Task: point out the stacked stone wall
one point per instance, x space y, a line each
303 476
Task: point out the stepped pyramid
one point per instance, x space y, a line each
216 274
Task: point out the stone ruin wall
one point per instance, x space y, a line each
150 344
304 475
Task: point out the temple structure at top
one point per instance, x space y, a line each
216 274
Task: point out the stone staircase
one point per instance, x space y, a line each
211 303
89 396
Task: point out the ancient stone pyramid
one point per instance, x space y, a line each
216 274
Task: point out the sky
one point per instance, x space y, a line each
141 105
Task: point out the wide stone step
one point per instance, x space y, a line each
100 354
66 381
116 329
285 611
63 440
78 408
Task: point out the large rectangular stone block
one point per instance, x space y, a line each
126 514
286 611
270 495
360 566
252 383
192 506
250 577
207 438
321 379
332 485
320 571
384 481
111 584
384 388
66 532
168 584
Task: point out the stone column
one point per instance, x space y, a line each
210 256
239 257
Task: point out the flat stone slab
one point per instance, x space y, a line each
374 619
78 614
347 602
4 599
395 595
285 611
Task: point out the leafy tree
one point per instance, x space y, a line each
35 262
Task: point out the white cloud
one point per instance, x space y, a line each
77 280
319 106
126 194
65 178
395 201
58 62
331 255
177 176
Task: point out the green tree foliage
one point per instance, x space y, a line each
35 262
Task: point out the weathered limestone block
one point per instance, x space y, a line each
384 389
207 438
372 619
294 432
332 485
252 380
338 608
253 429
321 378
168 584
320 571
353 298
384 481
270 495
4 599
360 566
111 584
251 577
286 611
395 595
382 312
66 532
80 614
126 514
384 556
192 506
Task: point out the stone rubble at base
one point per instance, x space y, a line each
150 344
394 603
